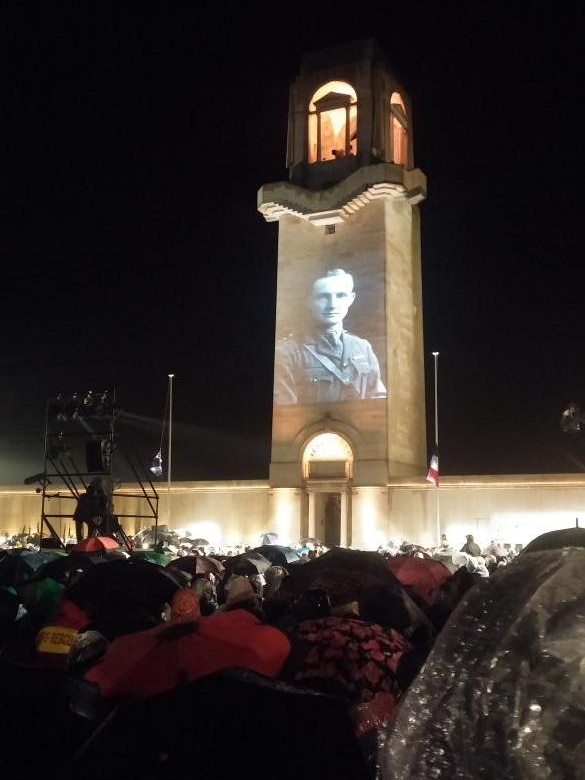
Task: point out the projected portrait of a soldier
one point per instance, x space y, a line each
327 363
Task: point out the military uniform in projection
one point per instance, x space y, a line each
313 369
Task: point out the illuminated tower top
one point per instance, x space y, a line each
349 138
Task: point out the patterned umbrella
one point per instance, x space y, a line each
354 659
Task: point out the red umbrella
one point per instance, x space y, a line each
197 564
96 544
424 575
150 662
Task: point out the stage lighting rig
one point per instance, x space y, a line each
81 405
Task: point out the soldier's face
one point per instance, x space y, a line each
332 297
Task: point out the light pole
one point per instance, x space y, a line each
436 452
171 377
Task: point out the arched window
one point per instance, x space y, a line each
398 130
333 122
328 448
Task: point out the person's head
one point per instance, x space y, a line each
332 296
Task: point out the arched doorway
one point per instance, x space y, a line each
327 470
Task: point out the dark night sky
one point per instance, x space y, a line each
134 141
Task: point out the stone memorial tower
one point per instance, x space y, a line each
349 404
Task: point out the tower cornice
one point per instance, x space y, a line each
333 205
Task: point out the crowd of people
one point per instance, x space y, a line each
355 626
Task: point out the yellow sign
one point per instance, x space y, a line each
55 639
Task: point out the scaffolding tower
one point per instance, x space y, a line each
81 448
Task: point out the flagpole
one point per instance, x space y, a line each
438 507
170 449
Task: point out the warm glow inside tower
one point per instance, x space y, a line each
349 405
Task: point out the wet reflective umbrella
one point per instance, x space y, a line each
501 693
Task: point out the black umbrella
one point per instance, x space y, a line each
278 555
555 540
285 715
357 575
18 566
67 568
124 593
196 564
247 563
344 574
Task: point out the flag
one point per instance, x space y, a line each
433 473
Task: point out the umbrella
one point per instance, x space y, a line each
17 566
310 541
151 555
199 542
247 563
278 555
552 540
424 575
517 638
352 658
66 568
190 724
124 593
358 575
150 662
40 596
344 574
197 564
269 537
96 544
